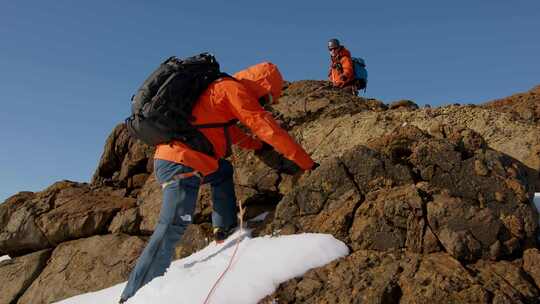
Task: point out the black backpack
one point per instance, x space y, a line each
161 109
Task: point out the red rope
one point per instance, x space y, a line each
241 211
206 301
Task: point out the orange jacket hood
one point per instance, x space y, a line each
262 79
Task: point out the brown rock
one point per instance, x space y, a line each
323 201
195 238
203 209
149 202
384 277
439 278
19 233
256 203
465 231
137 181
480 168
115 148
471 141
307 101
471 216
17 274
64 211
364 276
499 197
122 158
80 212
506 281
325 135
252 172
126 221
135 161
403 105
83 266
531 264
515 225
524 106
431 243
389 219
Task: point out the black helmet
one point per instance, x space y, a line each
333 44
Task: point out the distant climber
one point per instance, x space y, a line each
345 71
181 167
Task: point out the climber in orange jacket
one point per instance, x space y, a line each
181 170
228 99
341 72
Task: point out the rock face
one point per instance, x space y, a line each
62 212
328 123
398 277
418 205
125 161
17 274
525 106
85 265
19 232
434 203
531 264
80 212
403 105
413 191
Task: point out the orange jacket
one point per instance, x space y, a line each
226 99
341 69
262 79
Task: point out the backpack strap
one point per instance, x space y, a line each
225 126
217 124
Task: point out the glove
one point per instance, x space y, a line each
288 167
276 161
269 156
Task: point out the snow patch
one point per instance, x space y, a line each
536 201
259 266
260 217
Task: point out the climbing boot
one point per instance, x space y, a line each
221 234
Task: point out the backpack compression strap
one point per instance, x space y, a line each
225 126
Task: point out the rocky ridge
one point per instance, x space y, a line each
434 203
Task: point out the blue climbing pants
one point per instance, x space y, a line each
178 206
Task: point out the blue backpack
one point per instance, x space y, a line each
360 72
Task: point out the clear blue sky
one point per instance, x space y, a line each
68 68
